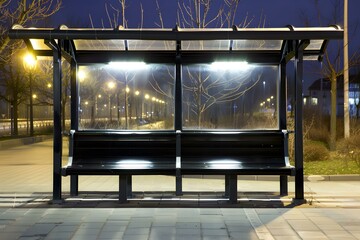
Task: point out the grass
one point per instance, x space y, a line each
331 167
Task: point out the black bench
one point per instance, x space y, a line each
180 153
123 154
236 153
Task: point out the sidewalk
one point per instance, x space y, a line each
332 210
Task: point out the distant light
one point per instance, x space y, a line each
111 85
128 65
34 96
137 93
127 90
230 66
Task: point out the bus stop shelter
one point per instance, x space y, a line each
182 61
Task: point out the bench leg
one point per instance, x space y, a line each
233 188
178 179
74 185
123 188
283 185
227 186
129 186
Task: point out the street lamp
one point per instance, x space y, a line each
110 85
29 65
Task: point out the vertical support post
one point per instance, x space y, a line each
123 188
57 148
283 185
299 165
129 186
283 122
74 179
178 120
178 180
283 97
232 188
227 185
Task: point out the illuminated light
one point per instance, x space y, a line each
147 96
128 65
99 96
153 99
111 85
81 75
86 103
30 61
127 90
230 66
137 93
268 99
272 97
34 96
49 85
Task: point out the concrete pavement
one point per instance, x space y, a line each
332 210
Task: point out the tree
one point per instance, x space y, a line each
332 68
13 87
207 88
24 13
21 12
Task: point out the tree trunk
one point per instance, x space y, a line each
332 144
15 115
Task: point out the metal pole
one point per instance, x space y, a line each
31 105
299 165
74 179
346 73
57 148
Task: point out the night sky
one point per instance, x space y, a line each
278 13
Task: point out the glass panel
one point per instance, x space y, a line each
257 44
114 45
151 45
311 58
315 44
222 96
38 44
127 96
212 45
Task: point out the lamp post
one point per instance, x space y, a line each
346 73
29 65
110 85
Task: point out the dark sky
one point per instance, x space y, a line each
278 13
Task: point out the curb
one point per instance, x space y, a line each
310 178
23 141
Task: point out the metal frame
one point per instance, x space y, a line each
295 40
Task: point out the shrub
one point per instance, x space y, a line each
350 148
315 151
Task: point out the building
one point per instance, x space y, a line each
320 95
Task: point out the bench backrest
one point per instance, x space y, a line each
90 147
249 147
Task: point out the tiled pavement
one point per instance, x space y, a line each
332 210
